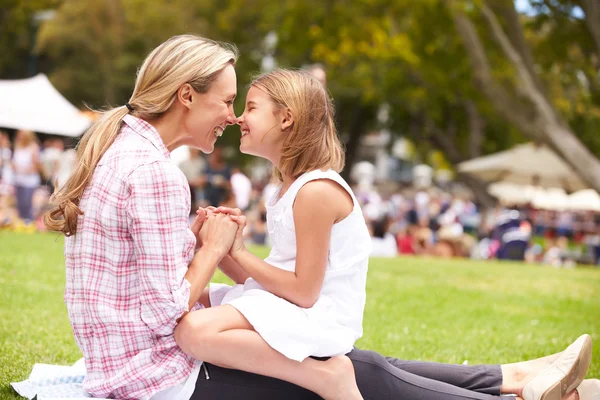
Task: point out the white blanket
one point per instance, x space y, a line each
54 382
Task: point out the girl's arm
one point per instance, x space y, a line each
233 269
318 205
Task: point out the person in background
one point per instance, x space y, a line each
5 158
383 243
218 176
26 167
241 187
193 169
50 161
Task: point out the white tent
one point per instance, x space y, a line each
34 104
586 200
526 164
513 193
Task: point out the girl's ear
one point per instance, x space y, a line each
287 120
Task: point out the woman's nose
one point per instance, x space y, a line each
232 119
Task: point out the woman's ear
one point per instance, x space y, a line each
287 120
185 95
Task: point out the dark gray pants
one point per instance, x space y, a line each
378 378
24 201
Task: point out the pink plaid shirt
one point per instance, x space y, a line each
126 265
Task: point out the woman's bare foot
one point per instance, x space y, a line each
516 376
573 395
340 383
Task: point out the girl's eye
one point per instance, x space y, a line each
230 102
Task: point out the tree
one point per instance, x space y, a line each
539 119
18 26
96 46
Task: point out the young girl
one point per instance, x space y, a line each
307 298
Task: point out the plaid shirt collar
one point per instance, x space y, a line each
149 132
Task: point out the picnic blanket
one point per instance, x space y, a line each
54 382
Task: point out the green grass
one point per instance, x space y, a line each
417 308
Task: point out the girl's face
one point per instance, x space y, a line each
261 125
211 112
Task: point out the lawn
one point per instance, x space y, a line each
417 308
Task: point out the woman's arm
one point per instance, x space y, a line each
318 205
217 235
158 224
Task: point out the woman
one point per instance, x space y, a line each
26 167
131 269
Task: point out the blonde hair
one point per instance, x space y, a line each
180 60
24 139
311 142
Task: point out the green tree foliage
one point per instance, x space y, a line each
19 21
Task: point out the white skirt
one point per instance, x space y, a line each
295 332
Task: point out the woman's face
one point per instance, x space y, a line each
261 126
212 112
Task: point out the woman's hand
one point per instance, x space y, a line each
236 215
217 233
201 215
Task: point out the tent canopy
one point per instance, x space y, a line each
34 104
526 164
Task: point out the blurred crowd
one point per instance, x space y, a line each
402 220
444 224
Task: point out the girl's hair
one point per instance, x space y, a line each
311 142
180 60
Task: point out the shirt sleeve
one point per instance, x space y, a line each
158 208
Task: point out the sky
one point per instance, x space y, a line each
525 7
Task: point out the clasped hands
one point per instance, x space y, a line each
220 229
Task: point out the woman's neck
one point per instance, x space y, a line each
170 128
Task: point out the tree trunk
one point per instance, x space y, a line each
476 127
354 133
592 19
546 125
442 140
517 37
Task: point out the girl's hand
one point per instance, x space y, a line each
238 246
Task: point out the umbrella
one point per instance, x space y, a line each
585 200
527 164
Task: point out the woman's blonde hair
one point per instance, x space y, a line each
180 60
311 142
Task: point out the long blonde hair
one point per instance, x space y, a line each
311 142
180 60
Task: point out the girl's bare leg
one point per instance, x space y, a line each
224 337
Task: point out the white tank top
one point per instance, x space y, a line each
23 159
349 249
